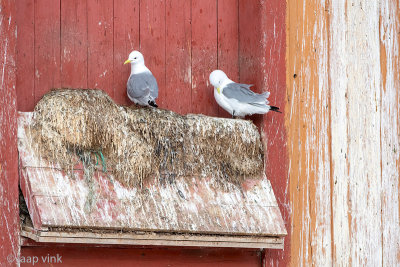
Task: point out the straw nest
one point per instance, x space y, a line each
72 125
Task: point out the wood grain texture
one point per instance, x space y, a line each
9 219
47 47
343 132
356 107
25 84
178 50
273 39
153 256
152 41
126 39
152 239
204 56
100 45
228 42
307 118
74 51
389 29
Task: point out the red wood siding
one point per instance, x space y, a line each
104 256
83 43
9 219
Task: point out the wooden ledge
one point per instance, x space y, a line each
154 239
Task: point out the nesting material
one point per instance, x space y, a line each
72 125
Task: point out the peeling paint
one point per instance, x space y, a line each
343 130
9 219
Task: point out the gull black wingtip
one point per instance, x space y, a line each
153 104
273 108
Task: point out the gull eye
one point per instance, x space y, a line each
135 58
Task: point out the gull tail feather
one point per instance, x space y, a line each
265 94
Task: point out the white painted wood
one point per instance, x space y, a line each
390 130
320 133
339 133
356 152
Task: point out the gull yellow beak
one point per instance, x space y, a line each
218 90
127 61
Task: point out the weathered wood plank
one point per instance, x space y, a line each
9 208
47 47
126 39
178 57
25 55
360 187
273 129
74 50
252 48
228 42
363 123
101 256
154 239
204 56
389 29
100 45
152 41
307 120
339 121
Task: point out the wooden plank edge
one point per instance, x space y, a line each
152 235
94 229
29 199
153 240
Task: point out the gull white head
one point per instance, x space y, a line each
217 78
135 57
137 62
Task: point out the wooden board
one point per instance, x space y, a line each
74 60
178 57
9 209
152 41
126 39
47 47
127 256
204 56
153 239
228 45
100 45
343 132
191 205
25 84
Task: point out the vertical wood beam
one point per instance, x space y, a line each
9 208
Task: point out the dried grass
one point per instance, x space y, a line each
140 144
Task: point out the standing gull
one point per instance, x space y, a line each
237 98
142 87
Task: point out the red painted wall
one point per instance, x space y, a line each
92 256
83 44
9 219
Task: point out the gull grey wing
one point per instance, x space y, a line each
242 93
141 84
152 82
